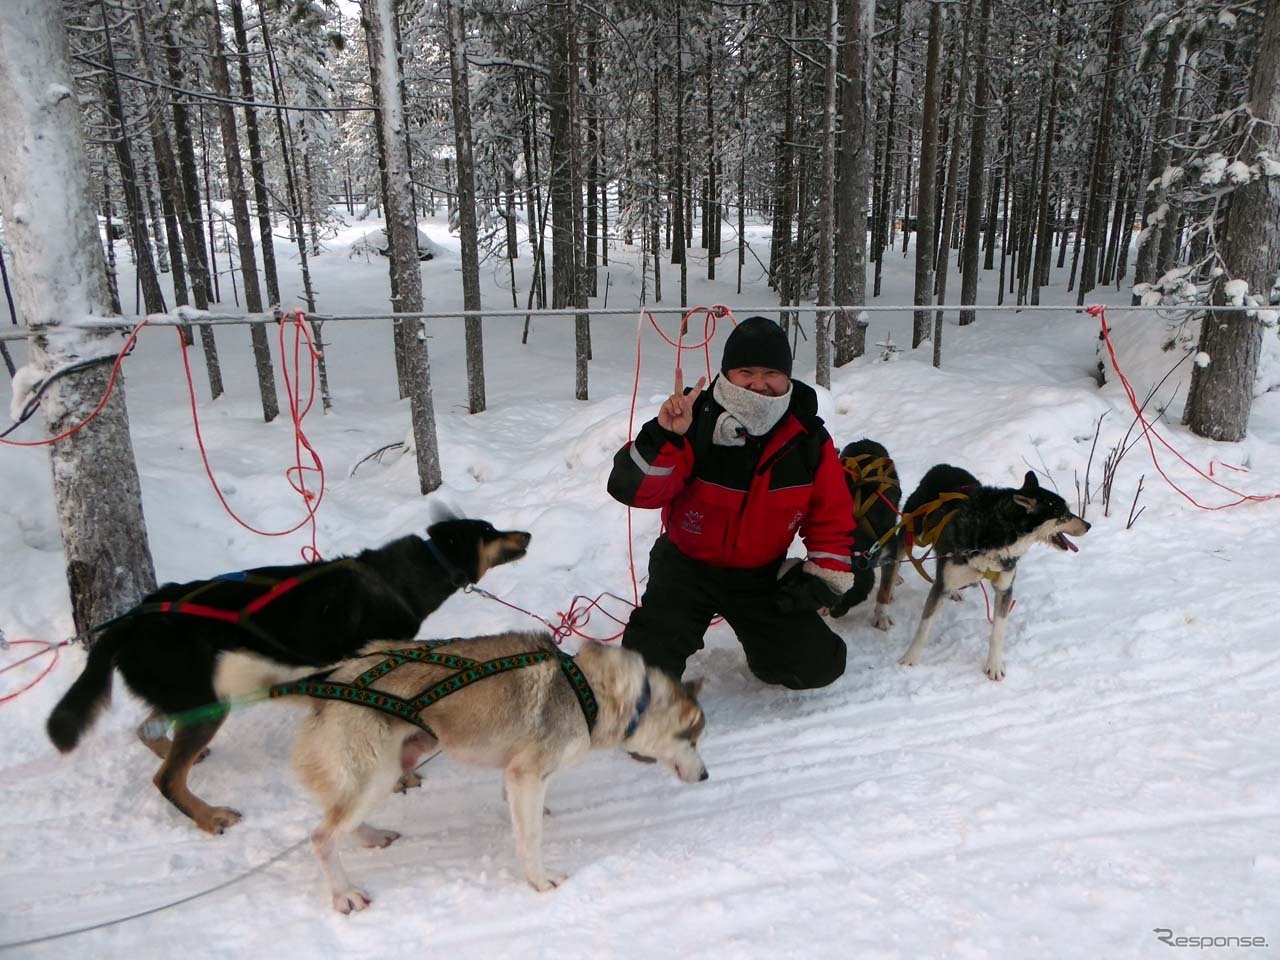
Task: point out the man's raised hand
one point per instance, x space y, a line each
676 413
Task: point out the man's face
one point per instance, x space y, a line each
762 380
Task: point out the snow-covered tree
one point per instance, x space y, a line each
57 274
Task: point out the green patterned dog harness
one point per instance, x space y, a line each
465 672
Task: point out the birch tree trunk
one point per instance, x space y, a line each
581 320
240 213
593 221
958 112
680 230
257 168
58 275
977 168
889 190
1095 225
1221 393
171 195
925 195
1044 229
655 179
1154 208
146 267
294 192
461 97
564 270
826 201
856 149
189 216
402 234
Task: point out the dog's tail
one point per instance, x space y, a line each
79 707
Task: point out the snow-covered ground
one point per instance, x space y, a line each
1124 777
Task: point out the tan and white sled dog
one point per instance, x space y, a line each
511 701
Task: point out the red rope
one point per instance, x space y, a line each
987 603
713 314
1149 431
570 621
296 474
115 371
47 645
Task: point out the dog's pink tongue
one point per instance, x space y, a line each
1068 544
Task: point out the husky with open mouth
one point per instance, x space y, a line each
987 531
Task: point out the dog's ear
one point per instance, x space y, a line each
1027 503
1029 482
439 511
692 688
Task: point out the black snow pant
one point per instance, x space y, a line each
796 650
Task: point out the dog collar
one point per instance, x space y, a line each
455 575
642 705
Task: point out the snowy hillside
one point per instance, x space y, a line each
1122 778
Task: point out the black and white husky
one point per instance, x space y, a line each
990 529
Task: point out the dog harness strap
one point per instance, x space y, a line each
582 689
284 586
281 587
866 469
334 690
420 655
466 672
916 533
468 676
197 610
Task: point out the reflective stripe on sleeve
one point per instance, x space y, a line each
648 469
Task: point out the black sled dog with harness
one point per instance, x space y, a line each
873 484
977 533
191 645
513 701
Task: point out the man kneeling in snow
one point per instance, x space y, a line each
737 470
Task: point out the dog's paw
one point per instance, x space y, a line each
882 620
218 819
995 669
907 660
547 882
956 596
350 901
409 780
374 837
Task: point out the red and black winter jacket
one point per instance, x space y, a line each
741 506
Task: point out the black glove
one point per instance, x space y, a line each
802 592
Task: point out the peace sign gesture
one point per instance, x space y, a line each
676 413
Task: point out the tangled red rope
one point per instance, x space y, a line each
1149 431
296 474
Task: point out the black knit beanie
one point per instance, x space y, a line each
757 342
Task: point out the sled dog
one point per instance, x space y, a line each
188 647
976 533
873 484
511 701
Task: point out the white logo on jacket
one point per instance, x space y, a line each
692 522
